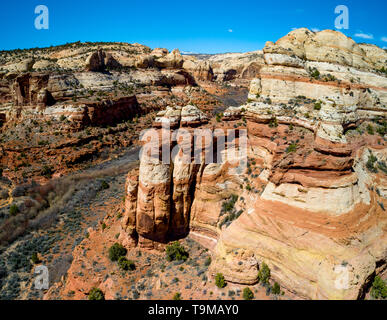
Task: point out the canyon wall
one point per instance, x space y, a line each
311 202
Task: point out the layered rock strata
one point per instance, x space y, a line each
311 203
320 222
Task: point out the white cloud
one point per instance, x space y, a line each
384 39
229 30
363 35
315 29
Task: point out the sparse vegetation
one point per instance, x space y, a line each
34 258
248 294
116 251
317 106
379 288
220 282
104 185
125 264
96 294
14 210
276 288
273 123
314 73
291 148
177 296
228 209
264 273
370 129
176 251
371 163
219 117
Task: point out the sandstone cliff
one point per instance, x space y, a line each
311 203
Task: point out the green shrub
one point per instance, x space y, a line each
207 262
379 288
264 274
371 163
116 251
96 294
220 281
273 123
382 166
177 296
125 264
34 258
276 288
104 185
248 294
314 73
219 117
292 148
227 206
370 129
317 106
14 210
176 251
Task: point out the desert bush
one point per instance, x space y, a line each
126 264
379 288
264 274
371 163
248 294
96 294
177 296
13 210
273 123
370 129
276 288
382 166
104 185
317 106
227 206
291 148
176 251
220 281
116 251
207 262
314 73
34 258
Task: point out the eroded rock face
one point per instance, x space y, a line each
165 186
99 61
311 203
31 89
318 222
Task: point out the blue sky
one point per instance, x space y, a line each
192 26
